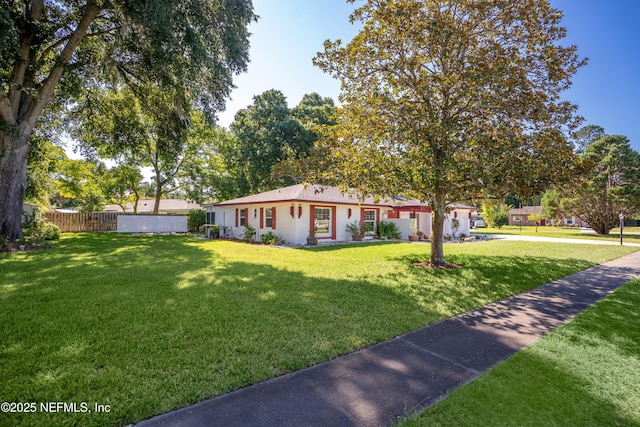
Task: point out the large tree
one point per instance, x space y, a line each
608 186
586 135
444 100
268 134
204 176
53 50
139 126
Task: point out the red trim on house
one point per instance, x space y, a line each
299 211
362 211
312 219
292 210
333 222
273 218
261 217
349 213
412 209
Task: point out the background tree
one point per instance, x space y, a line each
142 126
267 134
53 50
551 204
608 186
586 135
537 217
79 185
446 100
204 176
500 219
495 212
121 186
44 162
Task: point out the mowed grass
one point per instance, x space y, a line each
629 234
585 373
150 324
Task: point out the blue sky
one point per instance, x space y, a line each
289 33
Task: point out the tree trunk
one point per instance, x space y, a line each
156 206
13 183
437 227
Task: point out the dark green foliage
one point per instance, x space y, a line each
269 137
608 186
388 230
196 219
500 219
52 52
587 135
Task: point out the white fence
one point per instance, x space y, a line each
152 224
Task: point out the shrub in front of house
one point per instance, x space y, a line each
388 230
196 218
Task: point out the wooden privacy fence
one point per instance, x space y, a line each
79 222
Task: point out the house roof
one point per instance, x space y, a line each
327 194
526 210
166 205
305 193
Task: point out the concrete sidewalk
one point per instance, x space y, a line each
380 384
555 239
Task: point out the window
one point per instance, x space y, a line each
323 220
268 218
369 222
211 217
243 217
517 218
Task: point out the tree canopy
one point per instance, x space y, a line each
268 135
445 100
608 186
52 51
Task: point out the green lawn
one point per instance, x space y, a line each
629 234
585 373
149 324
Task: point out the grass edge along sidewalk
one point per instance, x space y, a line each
379 384
583 373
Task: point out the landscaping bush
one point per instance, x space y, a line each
388 230
35 225
271 238
500 219
196 219
249 233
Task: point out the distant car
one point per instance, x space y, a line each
478 222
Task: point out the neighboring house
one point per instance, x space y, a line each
520 216
292 211
172 206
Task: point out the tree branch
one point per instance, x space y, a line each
6 112
46 92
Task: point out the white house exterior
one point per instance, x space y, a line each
292 211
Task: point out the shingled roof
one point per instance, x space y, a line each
305 193
526 210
